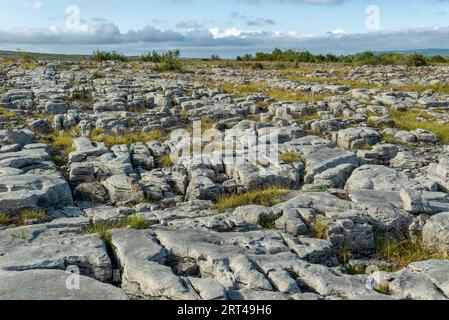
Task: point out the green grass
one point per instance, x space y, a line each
306 117
165 161
389 139
104 229
319 230
256 87
408 120
20 235
290 157
136 222
263 197
60 144
366 147
267 223
128 138
296 96
6 114
32 215
401 253
4 219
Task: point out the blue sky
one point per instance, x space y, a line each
231 27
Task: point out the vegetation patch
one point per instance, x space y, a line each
104 229
398 254
319 230
128 138
32 215
414 119
290 157
263 197
165 161
169 61
19 235
4 219
6 114
267 223
306 117
100 56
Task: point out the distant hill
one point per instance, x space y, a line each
425 52
45 56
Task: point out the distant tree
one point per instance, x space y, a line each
417 60
99 56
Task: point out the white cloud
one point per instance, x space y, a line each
34 5
107 35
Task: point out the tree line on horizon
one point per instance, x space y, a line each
171 59
363 58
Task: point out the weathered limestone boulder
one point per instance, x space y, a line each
381 178
426 280
56 107
55 245
320 155
141 156
202 188
123 190
357 138
350 230
21 137
42 126
17 99
414 202
33 191
436 232
291 221
81 172
144 276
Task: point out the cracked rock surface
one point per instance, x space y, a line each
87 182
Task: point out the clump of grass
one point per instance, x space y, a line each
32 215
128 138
400 253
19 234
263 197
267 223
306 117
136 222
409 120
100 56
389 139
6 114
344 254
165 161
4 219
104 229
241 90
290 157
60 145
383 289
97 132
365 147
319 230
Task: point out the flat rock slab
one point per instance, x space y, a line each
52 285
55 245
32 191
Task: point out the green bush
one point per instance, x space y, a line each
100 56
167 61
416 60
